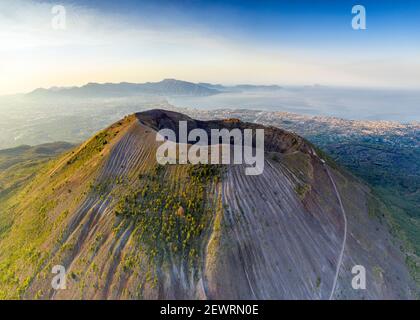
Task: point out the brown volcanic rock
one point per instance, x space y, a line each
276 140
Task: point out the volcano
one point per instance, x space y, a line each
126 227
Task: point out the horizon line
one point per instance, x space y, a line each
225 84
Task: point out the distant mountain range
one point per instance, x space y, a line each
240 87
167 87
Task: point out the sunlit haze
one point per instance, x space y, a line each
278 43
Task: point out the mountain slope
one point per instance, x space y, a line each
127 228
18 165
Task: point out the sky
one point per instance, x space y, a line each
262 42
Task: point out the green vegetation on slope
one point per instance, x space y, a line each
171 207
33 214
19 165
393 172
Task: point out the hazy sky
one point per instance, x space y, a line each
282 42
